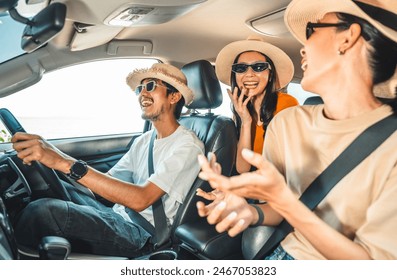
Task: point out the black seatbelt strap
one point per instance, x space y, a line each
160 219
356 152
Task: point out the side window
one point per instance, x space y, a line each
89 99
225 108
5 135
298 92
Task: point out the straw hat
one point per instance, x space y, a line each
164 72
382 14
226 57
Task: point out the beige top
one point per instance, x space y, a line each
363 205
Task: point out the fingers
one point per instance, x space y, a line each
254 159
215 166
28 147
245 103
205 195
232 223
205 166
216 213
27 156
211 158
201 209
242 94
233 95
22 136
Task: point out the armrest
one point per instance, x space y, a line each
203 240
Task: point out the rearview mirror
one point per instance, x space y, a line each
43 26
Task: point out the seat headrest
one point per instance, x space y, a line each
201 78
313 100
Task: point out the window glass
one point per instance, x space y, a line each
83 100
298 92
225 108
12 30
5 135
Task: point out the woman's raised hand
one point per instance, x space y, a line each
240 104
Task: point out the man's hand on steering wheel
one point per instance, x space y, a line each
31 147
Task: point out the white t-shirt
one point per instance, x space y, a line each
175 168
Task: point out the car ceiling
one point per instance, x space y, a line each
196 29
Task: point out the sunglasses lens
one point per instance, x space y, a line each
239 68
138 89
259 67
150 86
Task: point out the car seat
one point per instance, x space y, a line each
313 100
193 233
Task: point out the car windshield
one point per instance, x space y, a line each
12 30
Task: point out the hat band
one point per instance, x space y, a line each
385 17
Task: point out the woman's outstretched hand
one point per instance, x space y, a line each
266 183
229 212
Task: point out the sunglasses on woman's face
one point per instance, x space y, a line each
150 86
257 67
310 26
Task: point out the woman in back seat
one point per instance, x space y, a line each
256 72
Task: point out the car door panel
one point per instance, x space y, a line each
100 152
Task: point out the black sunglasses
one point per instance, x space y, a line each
310 27
257 67
150 86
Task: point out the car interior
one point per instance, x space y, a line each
42 37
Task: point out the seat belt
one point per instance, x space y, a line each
160 220
356 152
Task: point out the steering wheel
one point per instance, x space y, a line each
48 174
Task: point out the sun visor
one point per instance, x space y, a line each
16 78
89 36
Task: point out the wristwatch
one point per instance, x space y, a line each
78 169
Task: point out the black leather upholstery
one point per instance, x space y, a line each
220 137
313 100
253 239
204 83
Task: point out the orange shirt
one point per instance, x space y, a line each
284 101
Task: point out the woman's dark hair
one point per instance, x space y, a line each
181 102
269 103
383 54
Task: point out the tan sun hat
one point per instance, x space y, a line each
165 72
226 57
382 14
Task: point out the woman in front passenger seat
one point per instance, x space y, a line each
256 72
350 48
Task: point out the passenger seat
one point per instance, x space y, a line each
220 137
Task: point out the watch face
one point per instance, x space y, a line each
79 168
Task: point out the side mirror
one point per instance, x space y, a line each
43 26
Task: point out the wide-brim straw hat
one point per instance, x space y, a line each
382 14
227 56
164 72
